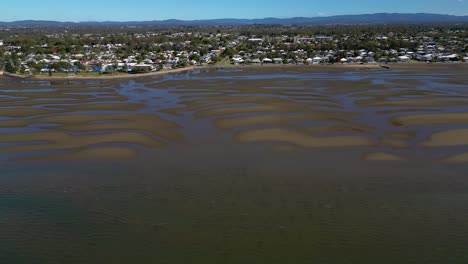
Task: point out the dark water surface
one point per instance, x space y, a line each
237 166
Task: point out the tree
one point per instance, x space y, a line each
228 52
9 67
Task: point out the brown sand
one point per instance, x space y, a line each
382 156
61 140
455 137
300 139
431 119
103 153
24 112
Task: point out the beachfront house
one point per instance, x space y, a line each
237 60
267 61
256 61
370 59
403 58
427 57
383 59
317 60
142 68
277 61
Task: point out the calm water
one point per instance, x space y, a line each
237 166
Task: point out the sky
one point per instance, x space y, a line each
144 10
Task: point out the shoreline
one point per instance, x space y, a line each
414 65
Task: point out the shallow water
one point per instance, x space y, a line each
232 166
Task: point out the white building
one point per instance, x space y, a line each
1 42
317 60
403 59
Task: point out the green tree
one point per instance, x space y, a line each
10 67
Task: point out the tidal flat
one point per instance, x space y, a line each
237 165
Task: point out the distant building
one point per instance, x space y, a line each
403 59
317 60
304 39
1 42
277 60
323 38
256 61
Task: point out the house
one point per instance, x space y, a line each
305 39
143 67
277 60
256 61
465 59
403 59
344 60
383 59
1 43
323 38
370 59
267 61
237 60
309 60
205 58
427 57
317 60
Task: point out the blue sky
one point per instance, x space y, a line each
125 10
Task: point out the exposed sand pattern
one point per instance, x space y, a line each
58 103
284 119
104 107
400 135
431 119
344 127
394 143
455 137
416 103
23 112
305 107
63 141
382 156
301 139
103 153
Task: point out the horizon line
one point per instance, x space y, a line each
233 18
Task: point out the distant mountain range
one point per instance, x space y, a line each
373 19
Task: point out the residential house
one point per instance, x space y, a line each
317 60
267 61
256 61
277 60
403 58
